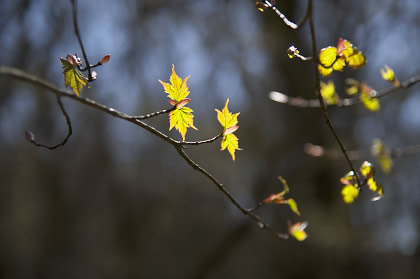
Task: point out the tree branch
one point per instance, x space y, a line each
179 145
314 103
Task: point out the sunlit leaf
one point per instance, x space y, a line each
330 61
228 120
328 92
230 141
388 74
353 57
375 187
181 119
73 77
349 193
367 169
371 103
349 178
177 89
293 206
298 230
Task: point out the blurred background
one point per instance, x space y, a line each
117 202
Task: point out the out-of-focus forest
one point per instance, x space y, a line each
117 202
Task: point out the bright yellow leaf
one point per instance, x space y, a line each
230 141
353 57
73 77
349 193
353 86
181 119
367 169
228 120
298 230
328 92
388 74
177 89
329 61
371 103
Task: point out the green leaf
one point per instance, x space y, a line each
293 206
181 118
73 77
177 89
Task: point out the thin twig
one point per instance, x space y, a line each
153 114
202 141
284 18
256 218
31 137
76 31
179 145
318 91
314 103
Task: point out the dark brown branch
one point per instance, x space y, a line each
202 141
318 91
31 137
179 145
314 103
77 32
219 185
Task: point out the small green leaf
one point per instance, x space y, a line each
293 206
73 77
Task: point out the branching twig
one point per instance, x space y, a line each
314 103
31 137
202 141
76 31
318 90
179 145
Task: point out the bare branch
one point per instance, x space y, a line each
289 23
314 103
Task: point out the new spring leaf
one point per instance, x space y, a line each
181 117
73 77
228 120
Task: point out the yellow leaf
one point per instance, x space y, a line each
177 89
352 86
298 230
230 141
226 118
371 103
330 61
293 206
349 179
181 119
353 57
349 193
328 92
367 169
388 74
73 77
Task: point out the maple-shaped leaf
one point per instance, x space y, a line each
181 119
177 89
328 92
297 230
73 77
228 120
